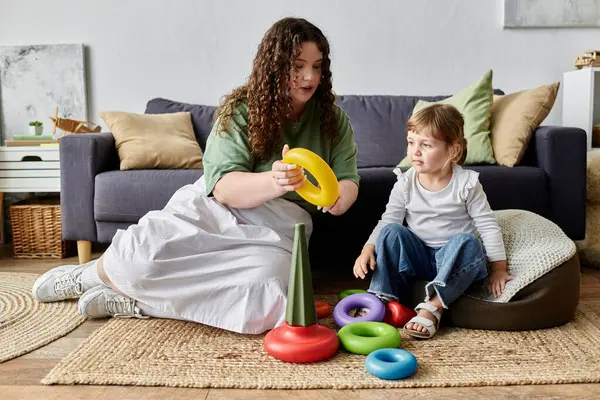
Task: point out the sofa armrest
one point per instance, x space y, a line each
82 157
561 152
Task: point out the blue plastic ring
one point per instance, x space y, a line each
391 363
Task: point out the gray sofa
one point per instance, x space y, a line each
97 198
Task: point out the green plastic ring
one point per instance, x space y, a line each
348 292
366 337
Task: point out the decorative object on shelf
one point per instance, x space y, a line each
36 78
68 125
36 128
551 14
590 58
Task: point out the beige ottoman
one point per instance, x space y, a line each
545 291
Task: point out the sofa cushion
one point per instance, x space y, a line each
126 196
129 195
514 118
154 141
475 104
202 116
515 188
379 124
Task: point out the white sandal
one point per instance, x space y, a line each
424 322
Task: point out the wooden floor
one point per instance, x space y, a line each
20 377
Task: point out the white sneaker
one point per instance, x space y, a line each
102 302
60 283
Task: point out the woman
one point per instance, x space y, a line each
219 253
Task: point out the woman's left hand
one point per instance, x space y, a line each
347 197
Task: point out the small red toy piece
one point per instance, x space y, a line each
397 314
323 309
301 339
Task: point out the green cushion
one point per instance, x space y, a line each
475 104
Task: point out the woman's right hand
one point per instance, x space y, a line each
364 261
287 177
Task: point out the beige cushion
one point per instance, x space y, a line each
146 141
514 118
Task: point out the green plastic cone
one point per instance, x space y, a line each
301 309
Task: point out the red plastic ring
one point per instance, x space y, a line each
323 309
397 314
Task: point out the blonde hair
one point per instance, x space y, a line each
445 123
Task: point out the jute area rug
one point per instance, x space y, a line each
25 324
157 352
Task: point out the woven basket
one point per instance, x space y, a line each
36 229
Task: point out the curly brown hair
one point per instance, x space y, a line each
267 91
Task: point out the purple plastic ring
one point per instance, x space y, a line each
359 300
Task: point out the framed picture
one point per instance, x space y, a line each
36 79
551 14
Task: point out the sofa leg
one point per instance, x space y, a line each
84 251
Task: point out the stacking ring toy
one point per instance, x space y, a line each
323 309
301 344
359 300
348 292
391 363
397 314
366 337
329 191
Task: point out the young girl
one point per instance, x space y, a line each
219 253
445 209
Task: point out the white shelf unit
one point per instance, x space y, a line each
29 169
581 100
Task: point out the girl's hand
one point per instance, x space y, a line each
498 277
364 261
286 177
347 197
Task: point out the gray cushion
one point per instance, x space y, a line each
379 124
126 196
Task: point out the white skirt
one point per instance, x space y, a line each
201 261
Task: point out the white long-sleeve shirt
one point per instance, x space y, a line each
461 207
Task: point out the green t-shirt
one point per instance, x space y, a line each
229 150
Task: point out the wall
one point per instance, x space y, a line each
196 51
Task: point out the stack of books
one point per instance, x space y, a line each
31 140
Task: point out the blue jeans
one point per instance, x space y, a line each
450 270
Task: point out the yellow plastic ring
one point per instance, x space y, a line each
329 191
